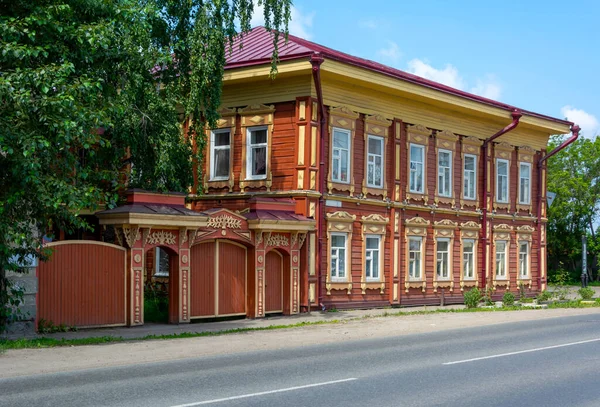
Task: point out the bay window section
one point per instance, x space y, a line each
524 183
340 156
443 259
375 162
470 177
220 155
417 158
256 165
445 173
501 259
372 258
468 259
415 258
338 256
502 180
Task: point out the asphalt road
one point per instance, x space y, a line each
553 362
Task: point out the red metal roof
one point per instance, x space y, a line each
257 49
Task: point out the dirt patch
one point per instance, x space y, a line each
37 361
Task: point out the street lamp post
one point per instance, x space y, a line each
583 261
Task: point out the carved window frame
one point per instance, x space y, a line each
444 229
470 146
419 135
339 222
379 127
227 121
525 156
256 116
502 152
445 141
373 225
415 227
343 118
525 234
469 231
502 232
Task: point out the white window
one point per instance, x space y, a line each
220 148
256 159
338 256
501 259
524 259
470 177
443 259
161 263
501 180
414 258
372 258
468 259
525 183
417 158
340 156
445 173
375 162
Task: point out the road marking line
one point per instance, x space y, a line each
521 351
262 393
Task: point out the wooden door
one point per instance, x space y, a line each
273 282
232 278
202 280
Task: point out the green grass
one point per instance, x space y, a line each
45 342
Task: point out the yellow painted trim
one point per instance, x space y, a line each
254 72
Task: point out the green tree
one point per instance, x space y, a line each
574 175
91 98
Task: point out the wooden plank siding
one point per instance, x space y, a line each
82 284
202 280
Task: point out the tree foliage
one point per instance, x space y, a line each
574 175
92 94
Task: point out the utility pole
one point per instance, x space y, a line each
584 276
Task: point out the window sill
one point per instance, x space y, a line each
338 285
340 186
417 196
422 284
374 190
219 184
502 205
467 283
525 281
372 285
501 282
443 283
257 183
445 200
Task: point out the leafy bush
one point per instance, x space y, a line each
586 293
508 300
487 296
472 298
544 296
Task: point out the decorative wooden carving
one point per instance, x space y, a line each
379 126
252 116
417 134
344 118
162 237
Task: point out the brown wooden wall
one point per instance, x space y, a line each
202 280
83 284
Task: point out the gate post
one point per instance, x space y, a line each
184 276
135 270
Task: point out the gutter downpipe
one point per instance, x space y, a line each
516 116
316 60
575 134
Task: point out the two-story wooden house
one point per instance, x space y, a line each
419 191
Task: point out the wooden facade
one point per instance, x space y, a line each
378 218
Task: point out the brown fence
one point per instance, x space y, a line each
83 284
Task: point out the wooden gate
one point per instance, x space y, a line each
83 284
273 282
217 279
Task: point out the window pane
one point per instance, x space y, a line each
372 243
222 139
442 246
344 167
259 162
444 159
414 244
375 273
525 171
375 146
341 262
258 136
340 139
338 241
221 164
470 163
502 168
416 154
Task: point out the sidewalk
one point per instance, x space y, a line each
166 329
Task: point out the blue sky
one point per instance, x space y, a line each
538 55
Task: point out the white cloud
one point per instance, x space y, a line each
391 54
448 75
590 126
300 24
488 88
369 24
